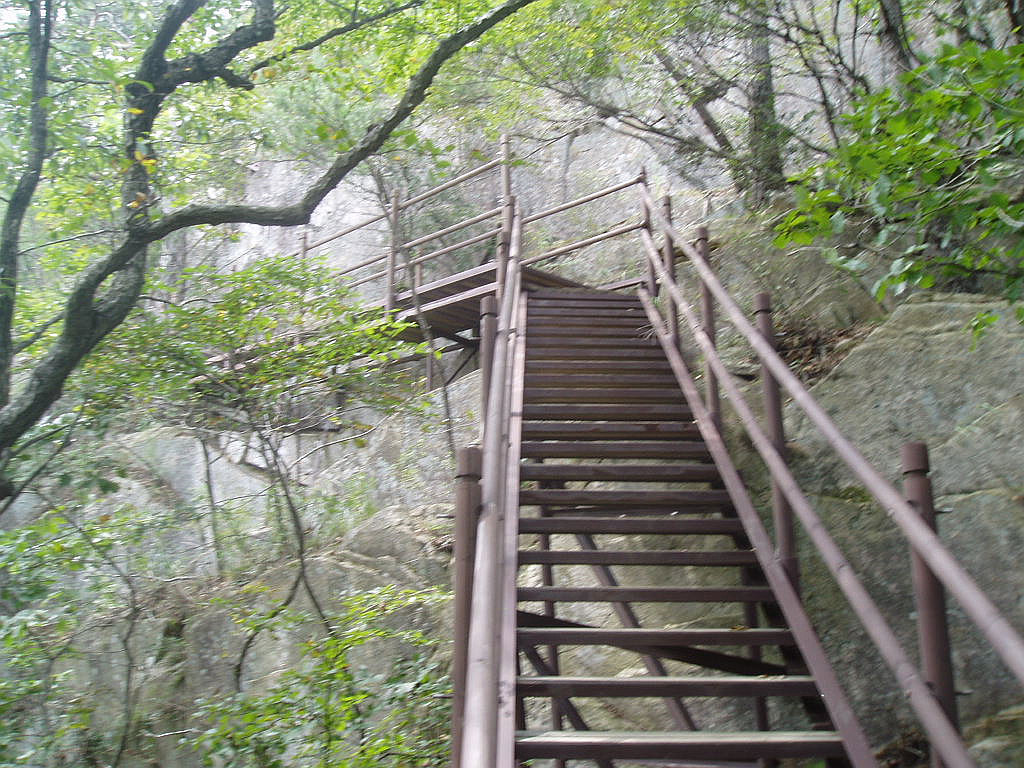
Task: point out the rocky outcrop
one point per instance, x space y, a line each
921 376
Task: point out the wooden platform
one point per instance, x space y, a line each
451 305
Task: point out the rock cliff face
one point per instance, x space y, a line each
919 377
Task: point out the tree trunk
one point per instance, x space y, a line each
765 174
892 34
1015 10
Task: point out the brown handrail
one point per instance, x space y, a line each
560 251
581 200
976 604
429 256
454 227
490 165
858 749
488 718
933 719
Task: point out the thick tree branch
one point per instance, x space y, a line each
373 139
39 31
89 317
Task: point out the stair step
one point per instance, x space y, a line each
548 307
554 430
560 497
559 293
676 745
637 473
588 450
637 557
561 330
624 396
646 638
613 380
598 366
593 352
590 322
645 594
669 526
536 340
606 412
644 687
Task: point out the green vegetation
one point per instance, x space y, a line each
929 176
329 711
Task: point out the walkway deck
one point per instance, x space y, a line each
451 305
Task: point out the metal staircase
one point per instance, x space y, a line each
601 455
600 402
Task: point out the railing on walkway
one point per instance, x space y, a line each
485 562
931 695
484 711
401 263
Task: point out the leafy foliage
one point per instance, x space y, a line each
258 340
931 173
327 711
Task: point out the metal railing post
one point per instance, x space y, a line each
782 513
485 353
467 510
508 205
653 287
712 396
396 243
668 258
929 595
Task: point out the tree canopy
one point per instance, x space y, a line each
127 120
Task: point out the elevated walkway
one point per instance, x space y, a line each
602 450
450 306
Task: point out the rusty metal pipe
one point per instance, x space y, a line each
976 604
467 510
712 396
488 329
858 749
930 714
929 596
782 514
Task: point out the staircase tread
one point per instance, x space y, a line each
655 686
701 745
596 430
606 412
639 525
569 449
668 473
706 558
645 594
666 637
616 498
666 380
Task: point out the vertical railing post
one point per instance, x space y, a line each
396 244
415 281
712 397
782 514
485 352
467 510
652 276
507 214
929 595
668 258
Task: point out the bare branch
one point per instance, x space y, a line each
352 26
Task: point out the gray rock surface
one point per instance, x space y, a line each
920 376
